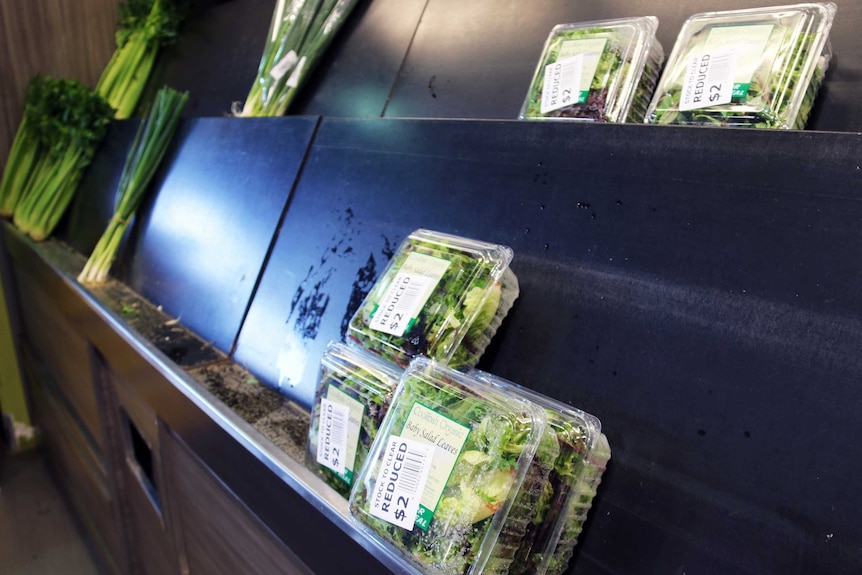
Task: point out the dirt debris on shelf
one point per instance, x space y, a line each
275 417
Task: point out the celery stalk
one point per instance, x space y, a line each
144 26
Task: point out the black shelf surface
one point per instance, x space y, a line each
696 289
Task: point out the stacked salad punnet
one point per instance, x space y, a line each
576 458
353 395
454 472
440 296
603 71
472 474
754 68
439 484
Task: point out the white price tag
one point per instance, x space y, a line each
286 63
332 435
407 293
400 481
708 80
293 81
562 84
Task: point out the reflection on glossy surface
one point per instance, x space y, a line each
307 296
202 239
292 361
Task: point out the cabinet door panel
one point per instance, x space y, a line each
139 466
220 535
80 474
59 347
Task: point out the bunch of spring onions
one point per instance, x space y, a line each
149 147
144 26
299 34
64 123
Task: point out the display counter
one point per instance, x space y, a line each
694 288
705 309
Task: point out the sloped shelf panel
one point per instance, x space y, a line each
695 288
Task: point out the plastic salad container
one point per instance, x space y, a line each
438 486
579 505
354 391
755 68
603 71
441 296
576 458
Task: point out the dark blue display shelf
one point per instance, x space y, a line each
205 230
694 288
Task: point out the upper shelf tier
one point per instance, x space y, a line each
447 58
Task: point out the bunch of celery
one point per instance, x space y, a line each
64 123
144 26
300 32
149 147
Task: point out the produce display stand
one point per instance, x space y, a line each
695 288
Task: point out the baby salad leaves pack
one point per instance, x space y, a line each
439 484
602 71
441 296
755 68
571 459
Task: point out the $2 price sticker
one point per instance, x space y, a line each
400 481
708 80
562 85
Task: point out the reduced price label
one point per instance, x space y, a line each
401 481
709 80
562 83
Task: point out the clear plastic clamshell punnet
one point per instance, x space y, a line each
601 71
441 296
439 486
354 391
571 458
755 68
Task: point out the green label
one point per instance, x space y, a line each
423 518
591 49
447 436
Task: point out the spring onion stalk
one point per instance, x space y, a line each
64 123
144 26
299 34
148 149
